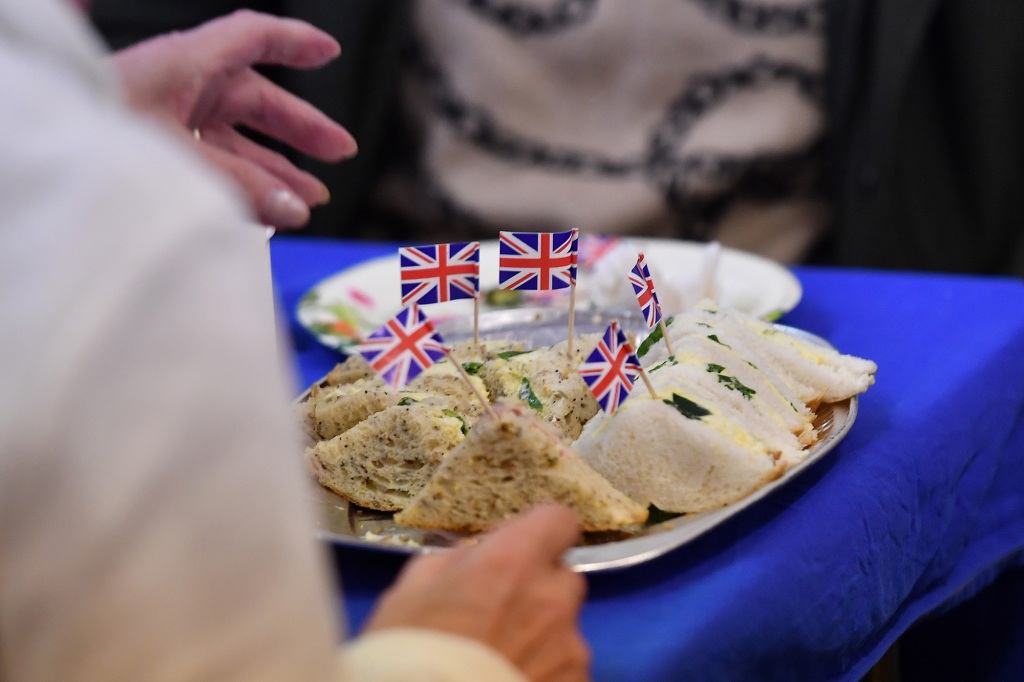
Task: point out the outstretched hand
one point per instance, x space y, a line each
511 591
201 83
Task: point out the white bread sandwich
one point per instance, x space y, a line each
709 384
506 465
813 373
679 452
732 412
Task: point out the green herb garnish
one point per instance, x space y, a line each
506 354
503 298
527 395
714 337
406 401
715 369
652 339
687 408
666 363
655 515
734 384
452 413
472 368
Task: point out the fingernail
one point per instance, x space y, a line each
285 209
325 195
355 150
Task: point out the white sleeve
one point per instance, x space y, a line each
154 510
404 654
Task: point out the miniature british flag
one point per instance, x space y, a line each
594 247
537 261
611 369
440 272
643 287
401 349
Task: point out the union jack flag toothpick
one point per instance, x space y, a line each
572 292
643 287
537 261
401 349
611 369
440 272
595 247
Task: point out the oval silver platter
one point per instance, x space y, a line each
346 524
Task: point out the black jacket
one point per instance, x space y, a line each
926 134
925 120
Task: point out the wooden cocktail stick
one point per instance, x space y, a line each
465 377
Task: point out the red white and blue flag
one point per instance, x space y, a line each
405 346
643 287
537 261
594 247
439 272
611 369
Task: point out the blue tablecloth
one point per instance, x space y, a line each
921 506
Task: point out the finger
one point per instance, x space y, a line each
543 534
244 38
272 200
551 605
572 585
253 100
308 187
424 569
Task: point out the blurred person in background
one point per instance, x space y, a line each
155 518
852 132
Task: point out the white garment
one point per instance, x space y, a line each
154 516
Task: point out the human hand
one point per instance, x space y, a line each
202 80
510 591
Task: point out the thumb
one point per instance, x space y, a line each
543 533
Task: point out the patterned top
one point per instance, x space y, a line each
688 118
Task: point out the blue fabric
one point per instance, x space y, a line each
921 505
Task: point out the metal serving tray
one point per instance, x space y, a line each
347 524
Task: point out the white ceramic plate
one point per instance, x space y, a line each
347 524
347 306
